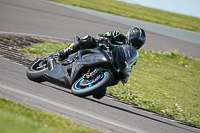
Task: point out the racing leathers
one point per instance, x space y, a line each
89 42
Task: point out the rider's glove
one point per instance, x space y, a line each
106 41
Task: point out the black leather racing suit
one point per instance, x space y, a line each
88 42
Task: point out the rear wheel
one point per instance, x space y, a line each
36 70
92 86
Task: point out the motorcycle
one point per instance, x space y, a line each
88 71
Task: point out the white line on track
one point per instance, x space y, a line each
70 108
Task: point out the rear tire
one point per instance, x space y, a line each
33 74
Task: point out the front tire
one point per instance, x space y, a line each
93 88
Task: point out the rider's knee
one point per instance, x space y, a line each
88 42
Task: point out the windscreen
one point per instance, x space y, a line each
131 54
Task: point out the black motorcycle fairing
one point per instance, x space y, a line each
119 59
123 59
87 72
131 54
118 62
57 76
76 66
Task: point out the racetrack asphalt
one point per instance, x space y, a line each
45 18
105 115
42 18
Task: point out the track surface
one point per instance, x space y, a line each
44 18
40 17
105 115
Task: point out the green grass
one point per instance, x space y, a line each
138 12
166 82
17 118
45 48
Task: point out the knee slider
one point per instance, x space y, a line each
88 42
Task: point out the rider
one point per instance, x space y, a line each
135 36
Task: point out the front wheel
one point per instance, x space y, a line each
85 87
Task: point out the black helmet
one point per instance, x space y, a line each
136 37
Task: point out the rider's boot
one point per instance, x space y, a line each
63 54
85 43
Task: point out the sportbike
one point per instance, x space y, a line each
87 72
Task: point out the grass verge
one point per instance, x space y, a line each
17 118
138 12
45 48
165 82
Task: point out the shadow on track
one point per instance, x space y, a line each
117 107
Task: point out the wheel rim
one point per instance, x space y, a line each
83 84
37 66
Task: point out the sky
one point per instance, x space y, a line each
186 7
